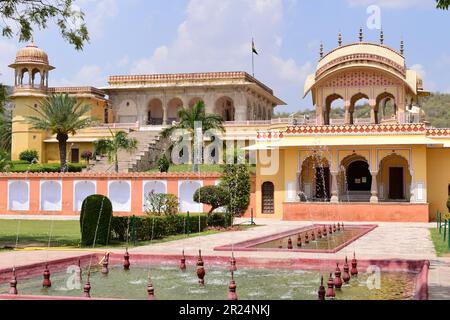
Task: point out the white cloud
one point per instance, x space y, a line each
89 75
97 14
216 36
7 56
420 69
392 4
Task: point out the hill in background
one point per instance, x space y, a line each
436 107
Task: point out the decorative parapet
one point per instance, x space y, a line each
77 90
113 176
438 133
269 135
180 77
374 129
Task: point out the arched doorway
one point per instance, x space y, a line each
268 198
357 107
334 109
395 178
225 108
387 106
355 179
174 106
194 101
155 113
315 179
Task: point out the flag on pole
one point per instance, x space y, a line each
254 48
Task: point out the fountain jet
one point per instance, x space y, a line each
150 289
13 283
330 290
183 262
200 269
233 267
87 286
346 277
232 295
337 277
354 271
126 262
290 245
321 290
105 264
46 283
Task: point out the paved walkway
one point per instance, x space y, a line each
388 241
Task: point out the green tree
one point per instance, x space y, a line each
214 196
188 119
111 147
6 131
5 163
3 98
236 181
25 15
443 4
61 115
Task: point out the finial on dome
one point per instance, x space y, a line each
340 39
361 35
402 47
381 37
321 50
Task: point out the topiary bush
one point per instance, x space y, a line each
95 220
163 164
448 204
214 196
29 156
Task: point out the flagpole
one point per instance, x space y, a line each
253 60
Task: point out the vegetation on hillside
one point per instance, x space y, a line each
436 107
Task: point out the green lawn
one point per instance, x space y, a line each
203 168
21 166
35 233
440 245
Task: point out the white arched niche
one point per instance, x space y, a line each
18 195
81 190
51 195
119 192
156 186
186 190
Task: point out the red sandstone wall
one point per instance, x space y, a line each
381 212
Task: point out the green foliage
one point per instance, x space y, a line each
3 98
95 220
437 109
188 119
62 115
25 15
29 156
443 4
111 147
448 204
163 164
219 219
23 166
4 161
214 196
236 181
161 204
6 130
154 227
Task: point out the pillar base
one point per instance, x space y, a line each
374 199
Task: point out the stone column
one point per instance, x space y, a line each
334 187
374 189
298 185
165 110
373 105
347 112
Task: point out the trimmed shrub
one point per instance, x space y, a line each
29 156
214 196
49 167
163 164
95 220
220 220
448 204
161 204
157 227
236 180
87 155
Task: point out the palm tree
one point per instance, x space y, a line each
61 115
6 131
188 119
111 147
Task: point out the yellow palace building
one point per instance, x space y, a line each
388 167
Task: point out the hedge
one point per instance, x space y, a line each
19 167
142 228
95 219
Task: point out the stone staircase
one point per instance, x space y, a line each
150 148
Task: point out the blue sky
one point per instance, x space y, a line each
156 36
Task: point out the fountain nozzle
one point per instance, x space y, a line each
46 283
13 283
